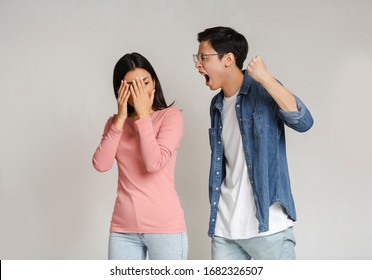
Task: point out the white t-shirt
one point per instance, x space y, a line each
236 218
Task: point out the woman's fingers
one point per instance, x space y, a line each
123 91
152 95
126 93
142 101
133 91
136 87
139 86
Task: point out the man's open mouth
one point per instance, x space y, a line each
207 78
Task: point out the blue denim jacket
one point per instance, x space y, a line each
261 124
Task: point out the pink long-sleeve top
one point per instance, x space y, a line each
145 151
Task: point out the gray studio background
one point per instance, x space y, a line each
56 62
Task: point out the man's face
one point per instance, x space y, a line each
210 66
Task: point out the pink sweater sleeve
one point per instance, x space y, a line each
104 156
158 149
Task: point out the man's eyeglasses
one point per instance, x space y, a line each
202 57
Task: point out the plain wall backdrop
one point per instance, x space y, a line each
56 63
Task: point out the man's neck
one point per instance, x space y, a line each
233 82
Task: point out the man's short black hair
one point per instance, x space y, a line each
225 40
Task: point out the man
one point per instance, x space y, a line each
252 208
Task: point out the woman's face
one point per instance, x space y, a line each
143 75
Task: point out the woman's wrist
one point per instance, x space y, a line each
144 116
119 122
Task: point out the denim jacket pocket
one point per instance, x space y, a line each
253 124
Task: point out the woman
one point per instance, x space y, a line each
143 137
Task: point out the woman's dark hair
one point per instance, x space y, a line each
224 40
129 62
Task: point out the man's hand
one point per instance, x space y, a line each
257 70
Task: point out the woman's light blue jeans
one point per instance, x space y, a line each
153 246
278 246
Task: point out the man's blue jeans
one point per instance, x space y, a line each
278 246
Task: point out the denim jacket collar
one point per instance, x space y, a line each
243 90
